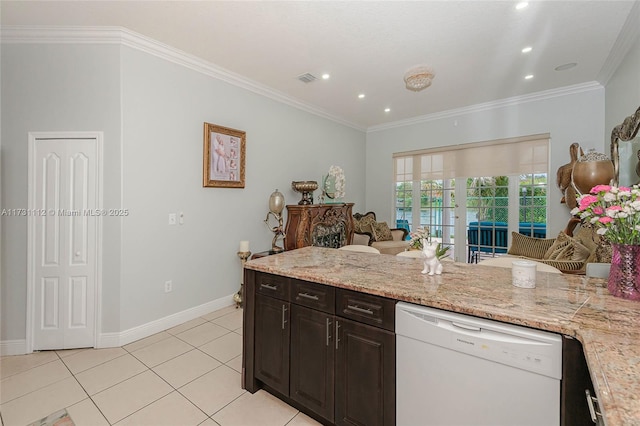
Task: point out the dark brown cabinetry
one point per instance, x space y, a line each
340 360
272 342
312 360
574 406
365 370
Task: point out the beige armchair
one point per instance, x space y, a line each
368 231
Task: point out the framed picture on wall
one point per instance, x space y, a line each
224 155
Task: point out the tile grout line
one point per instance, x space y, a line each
86 392
59 357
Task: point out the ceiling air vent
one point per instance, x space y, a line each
307 78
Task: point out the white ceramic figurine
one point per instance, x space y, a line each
431 263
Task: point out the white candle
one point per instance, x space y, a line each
244 246
523 274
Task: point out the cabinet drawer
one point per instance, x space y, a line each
313 295
366 308
273 285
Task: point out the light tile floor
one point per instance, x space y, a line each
187 375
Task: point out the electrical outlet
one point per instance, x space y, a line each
168 286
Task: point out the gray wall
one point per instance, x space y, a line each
152 113
577 117
164 108
56 88
623 99
623 88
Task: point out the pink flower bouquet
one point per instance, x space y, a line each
616 210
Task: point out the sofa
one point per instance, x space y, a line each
570 251
491 237
368 231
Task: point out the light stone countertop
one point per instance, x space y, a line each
608 327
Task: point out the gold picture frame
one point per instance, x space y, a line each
224 157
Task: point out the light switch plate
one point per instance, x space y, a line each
172 218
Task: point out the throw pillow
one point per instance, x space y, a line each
580 252
587 236
567 248
381 231
523 245
560 248
364 224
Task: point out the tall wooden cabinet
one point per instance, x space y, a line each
322 225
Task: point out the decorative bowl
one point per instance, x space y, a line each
306 187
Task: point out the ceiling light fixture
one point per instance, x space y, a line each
325 76
361 95
387 109
419 77
522 5
527 49
528 77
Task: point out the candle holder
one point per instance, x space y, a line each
243 255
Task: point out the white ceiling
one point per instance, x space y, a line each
366 46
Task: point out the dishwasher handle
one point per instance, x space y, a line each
466 326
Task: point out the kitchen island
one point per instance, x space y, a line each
572 305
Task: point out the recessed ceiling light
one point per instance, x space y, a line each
361 95
522 5
566 66
527 49
528 77
387 109
325 76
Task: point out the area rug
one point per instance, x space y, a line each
59 418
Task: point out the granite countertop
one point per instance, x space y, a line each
573 305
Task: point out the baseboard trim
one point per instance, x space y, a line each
115 339
110 340
13 347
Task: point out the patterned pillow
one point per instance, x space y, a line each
580 252
560 249
523 245
567 248
364 224
381 231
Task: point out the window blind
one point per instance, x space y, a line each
502 157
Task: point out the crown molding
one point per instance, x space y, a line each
629 34
125 37
500 103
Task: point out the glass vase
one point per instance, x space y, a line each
624 277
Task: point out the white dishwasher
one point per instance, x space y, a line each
454 369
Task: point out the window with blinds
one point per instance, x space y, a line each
499 185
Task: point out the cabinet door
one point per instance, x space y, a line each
574 409
272 332
312 359
365 375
